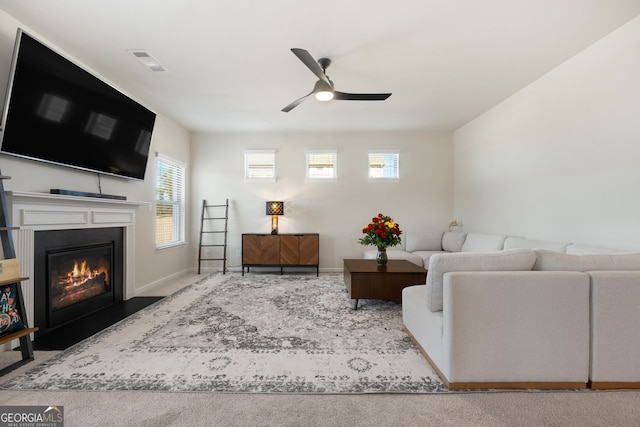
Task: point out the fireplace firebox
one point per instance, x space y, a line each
77 272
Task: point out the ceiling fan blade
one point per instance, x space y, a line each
311 63
360 96
295 103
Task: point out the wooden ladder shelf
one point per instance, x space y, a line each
23 335
214 222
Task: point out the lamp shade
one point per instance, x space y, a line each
275 208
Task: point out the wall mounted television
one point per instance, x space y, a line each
57 112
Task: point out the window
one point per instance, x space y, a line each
260 164
170 203
322 164
384 165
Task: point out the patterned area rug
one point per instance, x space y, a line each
261 333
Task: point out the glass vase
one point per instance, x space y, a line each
381 257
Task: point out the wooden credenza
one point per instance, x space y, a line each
280 250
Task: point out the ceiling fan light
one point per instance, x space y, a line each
324 95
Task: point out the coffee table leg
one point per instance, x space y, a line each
355 307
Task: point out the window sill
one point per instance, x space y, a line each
384 179
321 180
170 246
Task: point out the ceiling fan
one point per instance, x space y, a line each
323 88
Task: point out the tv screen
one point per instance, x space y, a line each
57 112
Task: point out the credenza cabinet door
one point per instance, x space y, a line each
289 250
270 249
308 250
299 249
251 249
260 249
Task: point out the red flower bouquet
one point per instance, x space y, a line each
382 232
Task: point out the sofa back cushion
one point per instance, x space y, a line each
395 254
478 242
556 261
520 243
439 264
453 241
578 249
429 240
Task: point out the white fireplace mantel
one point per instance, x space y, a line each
32 212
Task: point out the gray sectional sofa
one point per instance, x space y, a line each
509 312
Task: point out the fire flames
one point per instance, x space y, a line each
82 273
80 283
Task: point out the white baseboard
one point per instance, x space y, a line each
163 281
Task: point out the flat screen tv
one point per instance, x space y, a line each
57 112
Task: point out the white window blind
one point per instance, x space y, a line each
322 164
260 164
170 203
384 165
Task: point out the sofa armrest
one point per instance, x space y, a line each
522 326
615 326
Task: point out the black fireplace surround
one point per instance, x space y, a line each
95 255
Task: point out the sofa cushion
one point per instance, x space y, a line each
556 261
520 243
439 264
478 242
426 256
453 241
615 327
429 240
577 249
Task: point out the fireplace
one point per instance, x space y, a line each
36 213
76 273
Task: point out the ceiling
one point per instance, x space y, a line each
230 68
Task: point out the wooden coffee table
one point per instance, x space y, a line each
365 280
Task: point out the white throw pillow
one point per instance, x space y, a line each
478 242
519 243
453 241
429 240
439 264
556 261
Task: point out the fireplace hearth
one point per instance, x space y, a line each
76 273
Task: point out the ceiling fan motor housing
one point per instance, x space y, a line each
321 85
324 63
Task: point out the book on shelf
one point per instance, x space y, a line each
9 269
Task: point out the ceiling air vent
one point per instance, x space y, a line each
147 60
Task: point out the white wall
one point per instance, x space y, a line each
338 210
560 159
168 138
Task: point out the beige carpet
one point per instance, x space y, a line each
137 408
211 409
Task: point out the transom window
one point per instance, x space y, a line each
260 164
384 165
322 164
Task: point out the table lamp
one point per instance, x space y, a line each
274 209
